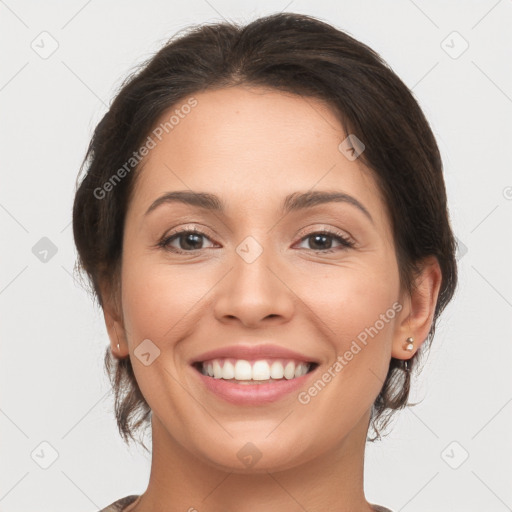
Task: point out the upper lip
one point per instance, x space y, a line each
261 351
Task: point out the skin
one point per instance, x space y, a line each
252 147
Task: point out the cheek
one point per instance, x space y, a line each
157 300
348 299
356 306
163 301
356 311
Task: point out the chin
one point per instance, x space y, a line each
257 457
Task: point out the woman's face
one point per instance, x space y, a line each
256 273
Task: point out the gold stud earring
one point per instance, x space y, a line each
410 344
118 347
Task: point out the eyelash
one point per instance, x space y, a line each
344 241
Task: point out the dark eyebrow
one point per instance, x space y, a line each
292 202
301 200
199 199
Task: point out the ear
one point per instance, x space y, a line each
112 313
418 309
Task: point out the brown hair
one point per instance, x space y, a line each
293 53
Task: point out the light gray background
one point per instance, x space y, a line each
53 339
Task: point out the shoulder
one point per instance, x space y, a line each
121 504
380 508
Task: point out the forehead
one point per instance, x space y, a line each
249 145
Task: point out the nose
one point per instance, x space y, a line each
255 293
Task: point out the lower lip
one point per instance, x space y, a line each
252 394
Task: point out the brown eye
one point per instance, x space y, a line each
187 240
322 241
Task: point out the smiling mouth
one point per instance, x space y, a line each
262 371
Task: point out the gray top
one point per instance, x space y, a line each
121 504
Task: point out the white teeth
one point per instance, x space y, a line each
298 371
261 370
243 370
289 370
217 370
228 370
277 370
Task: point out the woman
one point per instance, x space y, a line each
264 224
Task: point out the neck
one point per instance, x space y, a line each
180 481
